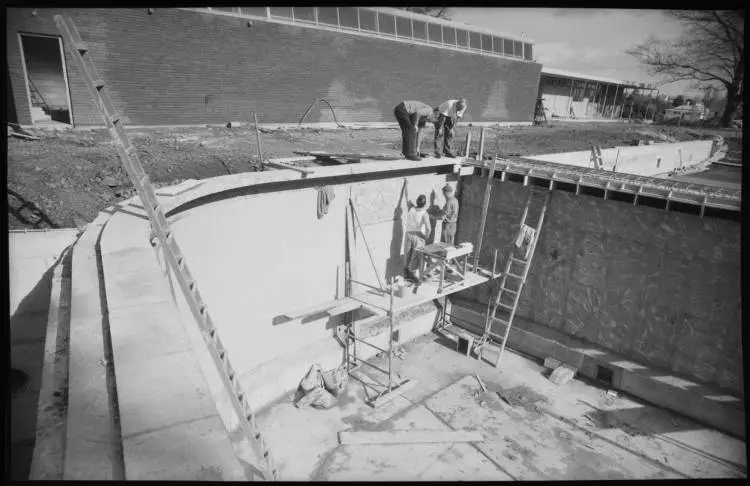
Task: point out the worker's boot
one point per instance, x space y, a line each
415 158
450 154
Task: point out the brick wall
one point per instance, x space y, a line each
178 67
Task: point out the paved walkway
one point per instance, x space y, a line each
33 255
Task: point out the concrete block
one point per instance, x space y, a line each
551 363
197 450
562 375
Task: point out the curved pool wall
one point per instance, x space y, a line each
647 160
257 249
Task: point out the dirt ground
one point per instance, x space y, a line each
64 179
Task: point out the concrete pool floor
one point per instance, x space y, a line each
574 431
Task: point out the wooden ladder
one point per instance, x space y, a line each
511 285
79 50
596 157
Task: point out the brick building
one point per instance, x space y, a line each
189 66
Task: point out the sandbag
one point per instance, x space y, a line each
312 380
320 398
335 380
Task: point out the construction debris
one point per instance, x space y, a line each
319 389
562 375
409 437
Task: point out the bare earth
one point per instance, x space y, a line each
65 178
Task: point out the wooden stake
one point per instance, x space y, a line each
481 145
485 207
260 145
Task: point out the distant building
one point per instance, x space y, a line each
187 66
571 95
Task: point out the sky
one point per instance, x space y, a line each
590 41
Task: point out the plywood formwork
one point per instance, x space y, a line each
660 286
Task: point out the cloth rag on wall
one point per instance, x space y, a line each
526 237
325 196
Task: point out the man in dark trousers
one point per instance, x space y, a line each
448 114
412 117
449 215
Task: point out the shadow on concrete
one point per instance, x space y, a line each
395 264
42 220
30 320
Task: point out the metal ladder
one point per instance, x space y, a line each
511 284
129 157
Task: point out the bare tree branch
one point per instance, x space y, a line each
711 50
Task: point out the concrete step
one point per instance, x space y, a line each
52 408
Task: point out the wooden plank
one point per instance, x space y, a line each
344 308
286 160
396 391
409 437
485 208
348 156
319 308
282 165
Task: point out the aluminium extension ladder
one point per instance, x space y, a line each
511 286
129 157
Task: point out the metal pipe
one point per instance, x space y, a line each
370 365
390 339
369 344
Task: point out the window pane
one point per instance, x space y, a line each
367 20
486 43
497 45
327 15
463 38
285 12
403 27
348 17
420 30
304 13
435 35
517 48
259 11
474 40
449 35
386 24
507 47
528 53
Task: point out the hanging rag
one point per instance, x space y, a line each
526 237
325 196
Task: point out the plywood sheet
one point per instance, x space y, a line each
651 269
582 311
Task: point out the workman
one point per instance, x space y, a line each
447 114
418 228
412 117
449 215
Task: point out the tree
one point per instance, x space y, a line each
710 51
439 12
678 100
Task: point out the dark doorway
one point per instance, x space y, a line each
46 79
